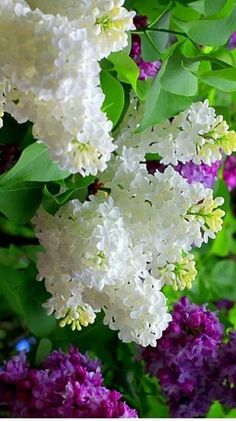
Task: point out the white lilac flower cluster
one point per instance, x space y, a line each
115 252
49 74
196 135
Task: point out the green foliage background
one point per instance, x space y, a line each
196 65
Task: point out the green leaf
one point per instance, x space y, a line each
13 257
84 339
32 251
186 12
152 157
25 296
171 295
80 193
33 295
220 189
105 64
78 181
153 10
229 229
231 414
11 281
166 105
49 201
28 139
221 56
198 5
232 316
20 202
153 403
114 96
154 43
225 79
127 70
43 350
52 203
212 7
10 228
161 39
223 279
33 165
221 245
216 411
177 79
210 32
224 244
204 66
161 104
76 187
149 48
144 87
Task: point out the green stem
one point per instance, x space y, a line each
149 29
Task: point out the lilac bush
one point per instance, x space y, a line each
117 122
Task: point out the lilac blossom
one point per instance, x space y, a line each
185 359
224 304
225 387
229 172
66 385
232 41
205 174
146 68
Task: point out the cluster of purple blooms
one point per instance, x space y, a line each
67 385
146 68
224 304
193 364
232 41
205 174
226 384
229 172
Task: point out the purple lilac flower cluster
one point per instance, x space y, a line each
232 41
225 389
186 358
66 385
205 174
146 68
224 304
229 172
